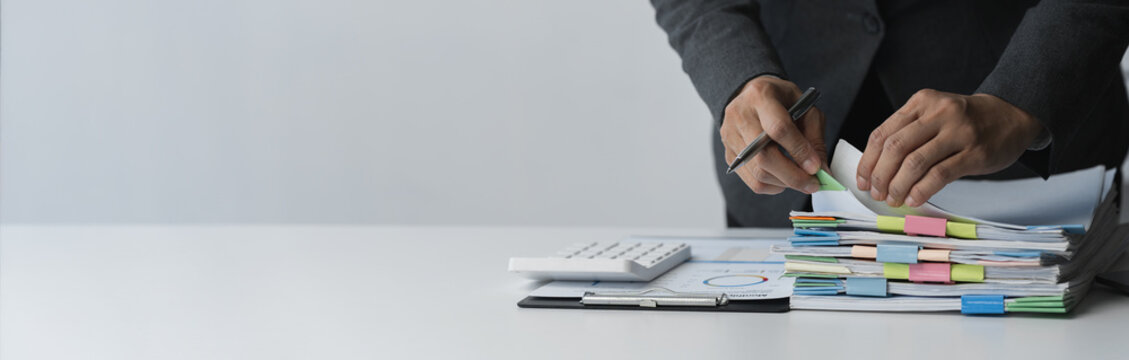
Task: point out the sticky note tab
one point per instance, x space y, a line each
826 259
833 281
815 224
795 239
982 304
827 182
933 255
1014 308
817 218
866 286
812 241
1069 229
819 285
921 225
1040 299
864 252
815 268
905 254
967 273
892 224
799 274
1074 229
961 230
829 223
930 272
808 232
895 271
815 291
1018 253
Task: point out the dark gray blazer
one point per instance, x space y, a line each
1058 60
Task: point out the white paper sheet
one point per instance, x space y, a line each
1061 200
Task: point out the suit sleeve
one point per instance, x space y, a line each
722 45
1063 55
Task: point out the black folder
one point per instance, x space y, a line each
769 305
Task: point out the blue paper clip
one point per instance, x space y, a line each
905 254
860 286
981 304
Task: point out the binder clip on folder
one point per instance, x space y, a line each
654 297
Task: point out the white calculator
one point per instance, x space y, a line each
614 261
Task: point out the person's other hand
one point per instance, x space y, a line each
761 106
938 137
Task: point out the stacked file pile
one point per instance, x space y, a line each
853 253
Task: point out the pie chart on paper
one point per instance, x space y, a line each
735 280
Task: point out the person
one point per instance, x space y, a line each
935 90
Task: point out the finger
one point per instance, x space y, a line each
916 164
732 138
764 177
894 151
874 145
936 178
812 125
734 144
776 121
756 179
774 162
755 170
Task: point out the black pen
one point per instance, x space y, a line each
797 111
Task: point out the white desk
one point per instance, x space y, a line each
277 292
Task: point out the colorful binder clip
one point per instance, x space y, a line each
981 304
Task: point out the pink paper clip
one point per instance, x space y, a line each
921 225
930 272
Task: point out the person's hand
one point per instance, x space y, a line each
938 137
761 106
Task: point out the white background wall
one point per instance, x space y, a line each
409 112
413 112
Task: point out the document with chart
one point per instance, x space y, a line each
741 269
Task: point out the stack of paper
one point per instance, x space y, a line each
978 247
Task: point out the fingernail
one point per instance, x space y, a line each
890 200
811 188
911 202
811 166
874 195
864 184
